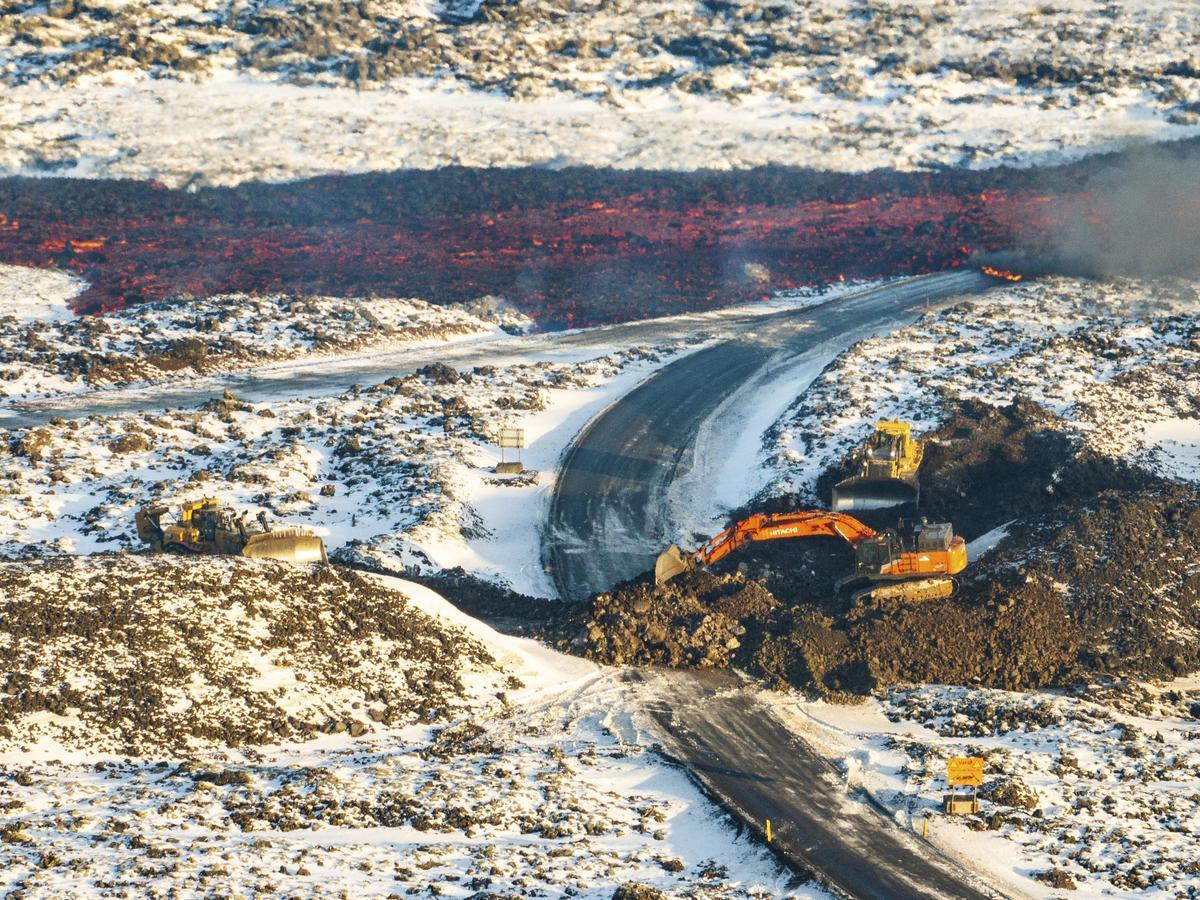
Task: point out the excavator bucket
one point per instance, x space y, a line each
286 544
671 562
872 493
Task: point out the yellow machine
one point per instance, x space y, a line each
207 528
885 470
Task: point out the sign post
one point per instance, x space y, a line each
511 439
963 771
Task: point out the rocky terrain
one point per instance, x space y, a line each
849 85
143 655
460 815
1090 793
386 472
1095 574
845 51
264 746
1090 352
282 730
192 336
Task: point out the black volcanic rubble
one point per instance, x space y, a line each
1095 577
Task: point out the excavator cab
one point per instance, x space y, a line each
874 555
915 549
885 470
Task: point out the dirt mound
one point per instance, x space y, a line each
987 465
1123 566
139 654
694 620
1096 575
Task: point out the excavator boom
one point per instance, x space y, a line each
922 555
761 527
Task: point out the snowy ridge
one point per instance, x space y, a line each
1090 352
218 92
37 295
191 336
537 778
143 655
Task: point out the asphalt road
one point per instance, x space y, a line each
332 375
753 765
608 516
608 513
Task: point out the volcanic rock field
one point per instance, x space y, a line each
1094 576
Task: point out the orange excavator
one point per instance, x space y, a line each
917 561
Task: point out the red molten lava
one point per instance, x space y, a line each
1002 274
581 248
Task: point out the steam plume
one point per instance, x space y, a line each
1137 217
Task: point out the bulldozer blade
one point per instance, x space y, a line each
287 545
858 493
671 562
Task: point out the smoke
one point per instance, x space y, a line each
1139 216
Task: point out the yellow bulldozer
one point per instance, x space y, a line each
885 470
205 527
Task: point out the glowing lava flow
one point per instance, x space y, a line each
1002 274
576 248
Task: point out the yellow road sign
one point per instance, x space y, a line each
965 771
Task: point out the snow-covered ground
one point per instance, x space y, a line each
284 346
402 468
1099 788
552 786
545 781
1117 360
218 92
46 352
37 295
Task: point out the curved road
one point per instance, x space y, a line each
311 376
608 513
608 517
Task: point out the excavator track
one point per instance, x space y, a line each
904 593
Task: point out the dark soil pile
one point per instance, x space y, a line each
987 465
694 620
1095 577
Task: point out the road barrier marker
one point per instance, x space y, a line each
769 831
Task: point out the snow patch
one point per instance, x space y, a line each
38 295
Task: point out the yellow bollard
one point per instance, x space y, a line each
925 826
768 831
